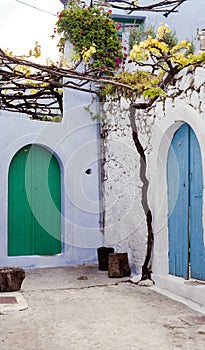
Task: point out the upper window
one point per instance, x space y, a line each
129 28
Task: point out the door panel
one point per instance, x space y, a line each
197 254
185 203
34 203
178 198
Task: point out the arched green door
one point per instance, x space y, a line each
34 203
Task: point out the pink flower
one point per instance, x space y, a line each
60 15
82 32
109 11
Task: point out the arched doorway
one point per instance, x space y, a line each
185 201
34 203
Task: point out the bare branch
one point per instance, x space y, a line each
166 7
39 92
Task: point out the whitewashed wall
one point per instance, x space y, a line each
125 226
75 143
124 218
186 22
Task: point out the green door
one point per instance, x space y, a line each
34 203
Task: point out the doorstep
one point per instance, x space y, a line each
12 301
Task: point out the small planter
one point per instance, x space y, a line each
11 278
118 265
103 254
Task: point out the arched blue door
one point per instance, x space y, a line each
185 200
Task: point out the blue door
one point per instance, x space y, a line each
185 191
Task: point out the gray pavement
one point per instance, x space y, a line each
79 307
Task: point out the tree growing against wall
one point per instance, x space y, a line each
36 90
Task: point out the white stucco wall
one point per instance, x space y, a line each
125 226
185 22
124 218
75 143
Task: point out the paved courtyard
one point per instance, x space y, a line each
80 308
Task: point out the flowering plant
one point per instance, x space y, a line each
164 50
93 34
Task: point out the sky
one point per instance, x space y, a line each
21 26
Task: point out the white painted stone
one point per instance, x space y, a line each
168 105
172 91
194 99
159 110
146 283
202 94
125 104
186 82
106 106
202 107
182 73
135 279
189 92
199 77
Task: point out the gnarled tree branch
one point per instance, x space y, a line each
147 266
165 6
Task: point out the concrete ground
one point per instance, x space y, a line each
80 308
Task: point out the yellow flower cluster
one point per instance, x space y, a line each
86 54
180 59
184 44
157 48
36 51
151 46
138 54
162 30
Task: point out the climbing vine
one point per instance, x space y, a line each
163 57
93 34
